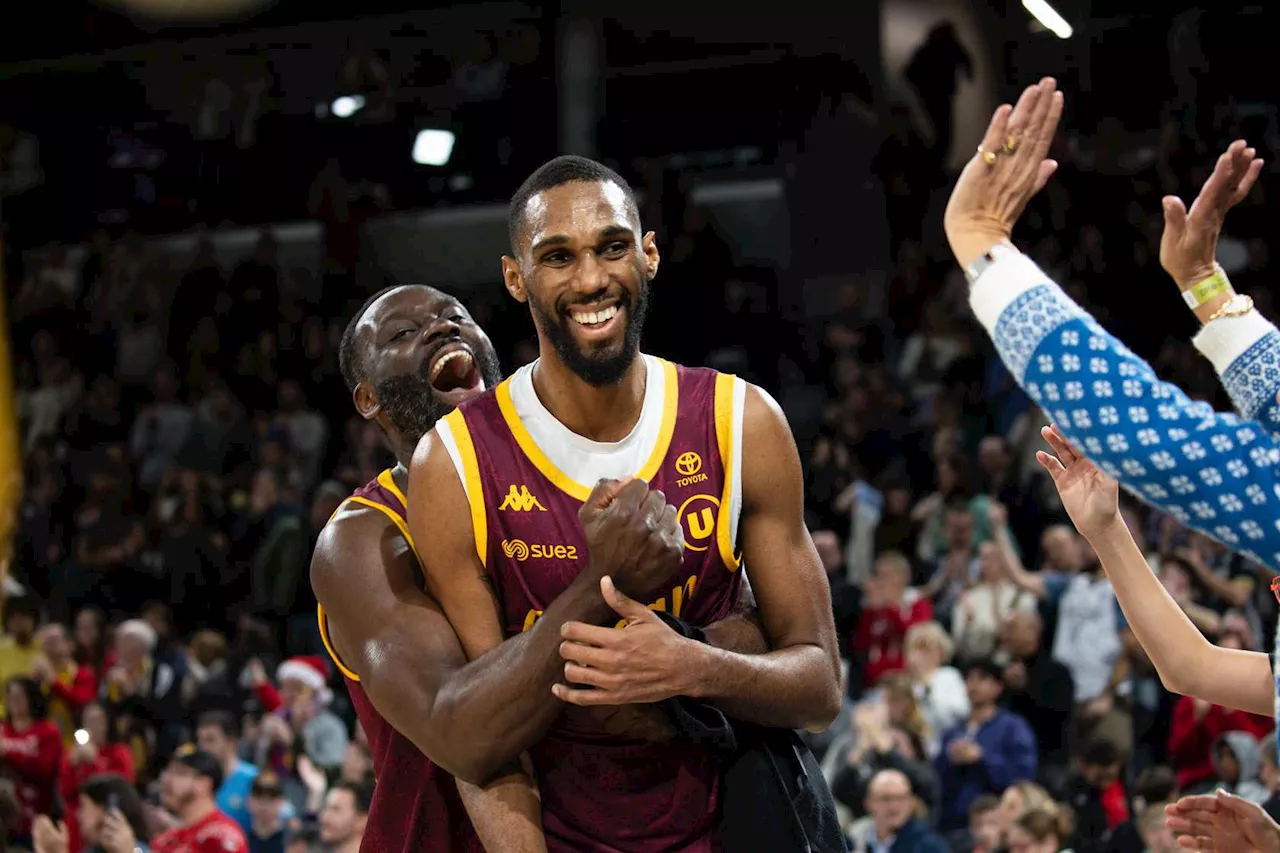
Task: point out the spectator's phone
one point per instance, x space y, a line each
113 802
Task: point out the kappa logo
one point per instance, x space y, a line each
519 550
520 499
689 467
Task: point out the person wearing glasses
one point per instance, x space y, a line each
1214 472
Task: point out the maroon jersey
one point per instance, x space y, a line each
416 806
601 795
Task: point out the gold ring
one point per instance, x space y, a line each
1011 144
988 157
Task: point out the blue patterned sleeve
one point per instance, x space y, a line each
1212 471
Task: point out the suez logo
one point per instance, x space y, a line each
519 550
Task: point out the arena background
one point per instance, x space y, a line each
194 199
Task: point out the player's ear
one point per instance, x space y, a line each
513 279
366 401
649 245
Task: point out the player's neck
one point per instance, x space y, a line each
599 413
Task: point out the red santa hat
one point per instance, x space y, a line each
311 670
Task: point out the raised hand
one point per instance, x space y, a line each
1190 240
1222 823
1008 169
48 838
1090 497
633 535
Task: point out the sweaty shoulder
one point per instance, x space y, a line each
346 543
770 458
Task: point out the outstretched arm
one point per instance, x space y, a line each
1187 662
1209 470
797 684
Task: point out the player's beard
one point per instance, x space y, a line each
598 368
411 404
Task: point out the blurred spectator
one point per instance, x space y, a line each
18 648
96 750
68 685
887 735
1037 687
142 690
889 608
939 687
346 811
984 830
218 734
990 751
161 429
1156 786
187 788
1097 796
267 808
108 819
891 824
1236 764
1155 832
1198 727
31 750
1040 831
299 726
984 608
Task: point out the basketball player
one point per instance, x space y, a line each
503 487
409 355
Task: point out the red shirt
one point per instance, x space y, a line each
881 637
214 833
113 758
33 757
1191 741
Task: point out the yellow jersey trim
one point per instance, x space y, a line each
726 440
388 482
328 645
561 480
383 479
474 488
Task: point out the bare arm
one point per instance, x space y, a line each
395 637
1187 662
797 685
1023 579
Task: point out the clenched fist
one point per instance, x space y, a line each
633 535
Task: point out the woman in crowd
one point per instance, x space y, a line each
31 750
1043 830
939 687
983 609
96 751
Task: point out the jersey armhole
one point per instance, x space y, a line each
456 438
730 406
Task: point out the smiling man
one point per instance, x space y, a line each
519 492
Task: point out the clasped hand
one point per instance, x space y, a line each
635 541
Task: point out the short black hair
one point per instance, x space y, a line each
350 359
1159 784
224 720
556 173
985 666
361 792
982 805
104 788
21 605
1100 752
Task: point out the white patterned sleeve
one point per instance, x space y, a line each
1246 353
1215 472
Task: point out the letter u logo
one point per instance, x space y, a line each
701 524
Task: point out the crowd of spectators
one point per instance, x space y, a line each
186 434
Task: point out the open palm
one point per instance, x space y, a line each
1090 497
1223 823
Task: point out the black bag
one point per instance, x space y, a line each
773 797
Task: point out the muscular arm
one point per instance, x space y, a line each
1186 662
797 684
364 575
